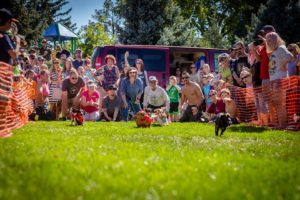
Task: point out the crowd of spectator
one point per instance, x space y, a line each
61 81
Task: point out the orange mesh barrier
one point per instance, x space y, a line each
276 104
15 104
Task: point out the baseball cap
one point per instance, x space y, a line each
112 87
152 78
44 41
6 15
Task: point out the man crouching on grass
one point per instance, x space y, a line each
192 95
72 89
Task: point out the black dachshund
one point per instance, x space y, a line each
222 121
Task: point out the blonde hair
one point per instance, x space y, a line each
274 38
173 78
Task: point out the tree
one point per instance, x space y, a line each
108 17
142 21
36 15
284 16
213 37
234 15
92 35
177 31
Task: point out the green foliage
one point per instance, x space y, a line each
177 31
93 35
108 17
284 16
143 21
51 160
35 15
235 16
213 36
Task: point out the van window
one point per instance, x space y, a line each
154 60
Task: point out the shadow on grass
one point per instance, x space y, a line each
247 129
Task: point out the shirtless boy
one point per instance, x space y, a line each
192 95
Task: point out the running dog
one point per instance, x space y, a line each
77 117
143 120
222 121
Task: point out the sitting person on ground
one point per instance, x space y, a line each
197 115
111 105
191 95
72 88
217 106
173 91
90 102
230 106
42 100
155 97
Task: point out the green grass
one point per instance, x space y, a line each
51 160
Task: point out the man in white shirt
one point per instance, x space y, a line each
155 97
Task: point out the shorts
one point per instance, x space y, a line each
174 108
94 116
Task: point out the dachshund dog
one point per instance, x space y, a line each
160 117
77 117
222 121
143 120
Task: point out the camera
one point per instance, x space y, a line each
258 41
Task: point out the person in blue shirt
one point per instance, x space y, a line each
7 51
131 92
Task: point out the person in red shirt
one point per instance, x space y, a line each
217 106
90 102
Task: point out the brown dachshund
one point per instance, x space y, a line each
143 120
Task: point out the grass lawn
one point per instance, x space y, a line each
51 160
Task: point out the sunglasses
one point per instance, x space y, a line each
290 49
213 94
55 63
245 77
132 72
73 78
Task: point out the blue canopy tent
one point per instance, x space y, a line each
58 32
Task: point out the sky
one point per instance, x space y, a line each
82 10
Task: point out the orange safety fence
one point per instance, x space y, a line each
15 104
275 104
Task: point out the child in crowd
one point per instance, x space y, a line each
224 63
31 84
230 106
173 91
89 72
206 89
81 73
90 102
220 84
